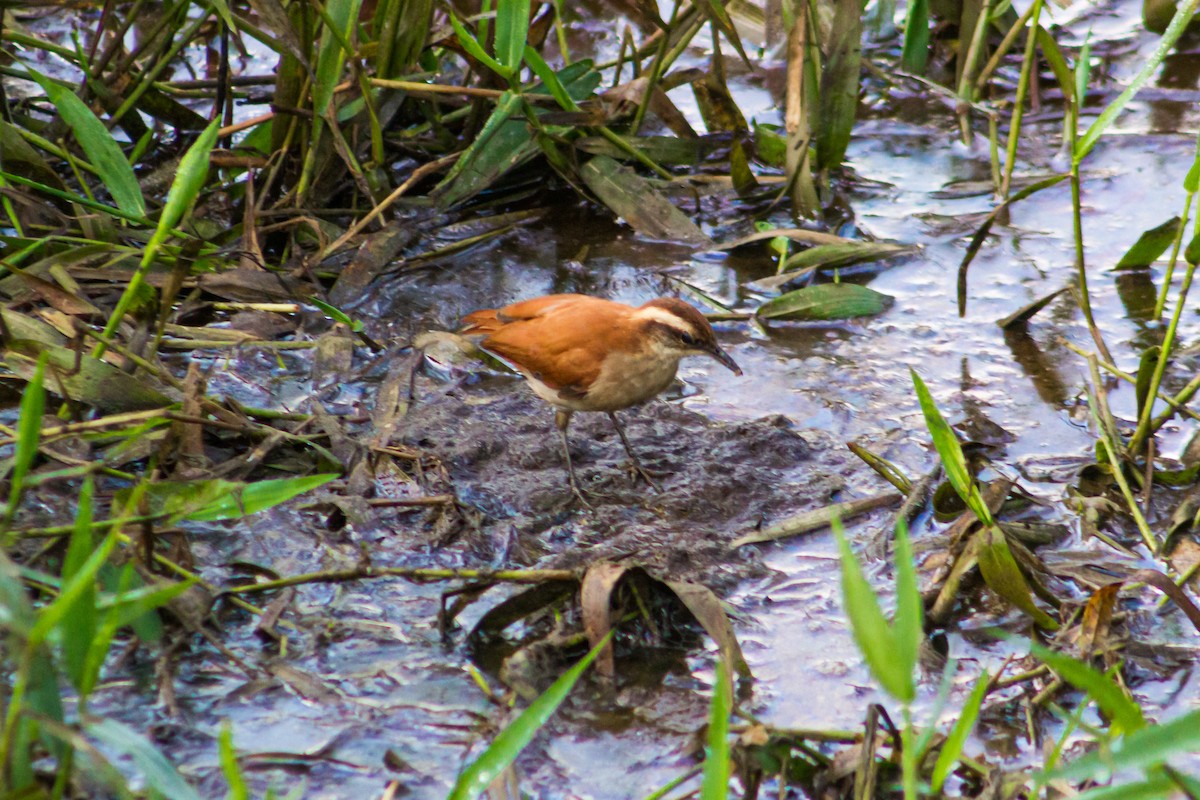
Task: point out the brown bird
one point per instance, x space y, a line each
581 353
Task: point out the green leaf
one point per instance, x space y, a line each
957 738
715 785
512 27
340 18
1083 69
550 79
96 140
337 315
1191 254
133 605
80 585
876 640
844 254
1156 788
907 626
216 499
916 37
1142 749
635 200
229 765
950 452
826 301
29 432
79 628
508 744
1125 713
1179 23
91 381
150 762
1004 577
1191 181
1150 245
1145 374
475 49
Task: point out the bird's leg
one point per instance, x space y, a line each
561 420
637 464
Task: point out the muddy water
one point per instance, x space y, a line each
372 691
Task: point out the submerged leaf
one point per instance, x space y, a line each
826 301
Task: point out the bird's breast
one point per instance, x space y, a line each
626 379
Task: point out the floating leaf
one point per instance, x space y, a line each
826 301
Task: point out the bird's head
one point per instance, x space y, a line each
679 329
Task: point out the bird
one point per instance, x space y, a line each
584 353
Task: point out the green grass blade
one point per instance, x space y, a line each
185 188
340 17
159 774
1004 577
916 37
550 79
29 431
1126 715
255 497
475 49
475 779
876 640
957 738
715 785
72 592
79 627
230 767
1148 747
512 27
1183 16
907 626
96 140
950 451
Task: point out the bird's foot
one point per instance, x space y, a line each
635 468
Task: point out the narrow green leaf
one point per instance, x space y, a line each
1179 23
340 18
715 785
512 27
1142 749
508 744
1058 64
229 765
29 431
950 452
826 301
957 738
916 37
1191 181
79 627
1125 713
550 79
255 497
1083 69
1004 577
876 641
337 315
472 46
132 605
150 762
102 150
1150 245
907 626
1156 788
79 586
1145 374
1191 253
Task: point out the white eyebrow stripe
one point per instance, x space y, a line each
666 318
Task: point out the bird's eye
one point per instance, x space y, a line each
688 339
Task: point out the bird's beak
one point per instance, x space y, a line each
723 357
